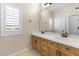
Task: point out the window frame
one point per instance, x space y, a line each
3 22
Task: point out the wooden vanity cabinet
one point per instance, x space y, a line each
51 48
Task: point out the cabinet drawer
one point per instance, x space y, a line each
69 49
44 45
44 40
52 43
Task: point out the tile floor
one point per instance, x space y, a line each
30 52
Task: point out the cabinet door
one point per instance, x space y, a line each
45 51
44 48
65 54
34 42
53 51
38 44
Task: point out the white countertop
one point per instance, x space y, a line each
57 38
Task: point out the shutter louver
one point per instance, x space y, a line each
12 18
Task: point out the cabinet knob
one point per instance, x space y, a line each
67 48
35 41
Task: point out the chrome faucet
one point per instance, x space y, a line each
64 34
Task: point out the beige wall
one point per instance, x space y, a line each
12 44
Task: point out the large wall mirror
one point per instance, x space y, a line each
61 17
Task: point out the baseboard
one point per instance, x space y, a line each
14 54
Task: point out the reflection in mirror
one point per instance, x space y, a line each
74 24
59 24
46 21
61 19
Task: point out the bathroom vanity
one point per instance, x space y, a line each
52 44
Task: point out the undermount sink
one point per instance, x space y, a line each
67 39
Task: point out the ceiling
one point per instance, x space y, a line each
58 6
